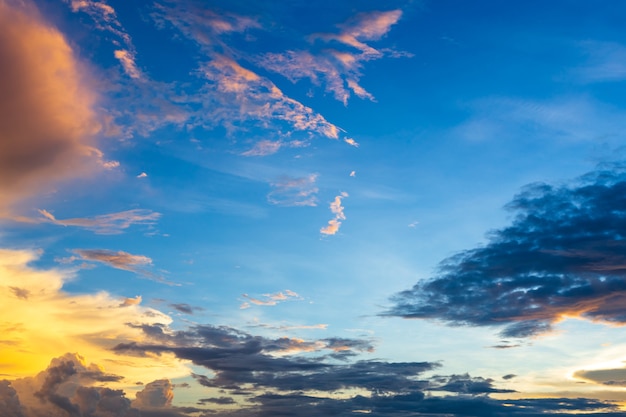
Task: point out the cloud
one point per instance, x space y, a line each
138 264
131 301
282 377
70 387
562 256
48 121
107 224
185 308
50 322
290 191
105 19
337 209
605 62
127 60
142 175
338 69
351 142
245 97
614 376
353 173
156 394
270 299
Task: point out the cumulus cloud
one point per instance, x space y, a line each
337 209
562 256
289 191
338 69
50 322
351 142
107 224
48 121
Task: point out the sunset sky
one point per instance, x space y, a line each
242 208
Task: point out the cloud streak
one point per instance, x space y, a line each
562 256
107 224
138 264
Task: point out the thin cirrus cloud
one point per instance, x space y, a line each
236 96
269 299
337 209
338 69
105 19
47 109
562 256
139 264
107 224
290 191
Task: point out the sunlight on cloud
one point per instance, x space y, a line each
340 70
337 209
47 116
41 321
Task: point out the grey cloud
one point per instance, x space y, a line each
563 254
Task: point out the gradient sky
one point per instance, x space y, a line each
312 208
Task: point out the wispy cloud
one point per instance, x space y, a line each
606 62
338 69
247 97
290 191
48 119
107 224
139 264
337 209
561 257
269 299
105 19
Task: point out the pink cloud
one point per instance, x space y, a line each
338 69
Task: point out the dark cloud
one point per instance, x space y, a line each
563 254
220 400
9 401
509 376
465 384
185 308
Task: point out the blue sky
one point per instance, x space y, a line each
312 208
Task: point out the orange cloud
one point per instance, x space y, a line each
47 117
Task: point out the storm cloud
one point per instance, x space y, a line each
562 256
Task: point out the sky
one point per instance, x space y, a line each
303 208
